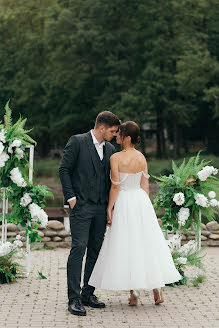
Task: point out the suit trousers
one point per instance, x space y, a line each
88 226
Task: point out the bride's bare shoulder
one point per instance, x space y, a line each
141 156
115 156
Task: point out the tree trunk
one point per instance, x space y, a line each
158 135
163 142
142 144
174 139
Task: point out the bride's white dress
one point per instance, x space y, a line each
134 254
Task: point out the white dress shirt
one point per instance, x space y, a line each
99 148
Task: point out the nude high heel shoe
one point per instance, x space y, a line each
158 296
133 299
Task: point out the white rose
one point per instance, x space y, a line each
1 147
19 152
18 243
38 214
3 158
211 194
25 200
2 136
188 247
5 248
18 237
15 143
206 172
179 198
183 215
17 178
213 203
201 200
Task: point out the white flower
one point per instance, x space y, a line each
183 215
17 178
215 171
38 214
201 200
5 248
179 198
17 243
25 200
2 136
19 153
206 172
185 249
182 260
173 242
18 237
213 203
3 158
211 194
1 147
15 143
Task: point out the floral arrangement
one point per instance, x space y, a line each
9 252
191 188
27 200
186 255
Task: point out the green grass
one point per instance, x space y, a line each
46 167
50 167
197 281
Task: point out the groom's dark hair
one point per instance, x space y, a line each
108 119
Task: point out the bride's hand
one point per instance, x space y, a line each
109 217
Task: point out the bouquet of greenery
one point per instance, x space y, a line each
191 188
27 200
9 268
186 255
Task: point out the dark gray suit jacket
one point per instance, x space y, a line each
79 168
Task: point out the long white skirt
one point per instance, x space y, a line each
134 254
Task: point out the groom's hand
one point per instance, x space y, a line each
72 203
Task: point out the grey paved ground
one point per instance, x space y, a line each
34 302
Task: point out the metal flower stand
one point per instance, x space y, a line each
5 211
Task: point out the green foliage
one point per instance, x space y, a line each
15 191
7 117
198 280
9 269
193 258
41 275
184 179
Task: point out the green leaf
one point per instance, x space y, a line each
41 275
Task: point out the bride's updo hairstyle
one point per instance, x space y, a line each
130 129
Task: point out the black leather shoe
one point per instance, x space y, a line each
76 307
93 302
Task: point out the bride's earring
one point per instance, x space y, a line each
158 296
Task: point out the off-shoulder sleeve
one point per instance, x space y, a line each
147 176
115 183
119 182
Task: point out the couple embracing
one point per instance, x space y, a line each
105 188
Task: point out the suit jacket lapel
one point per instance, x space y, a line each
92 151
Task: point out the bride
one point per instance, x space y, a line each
134 254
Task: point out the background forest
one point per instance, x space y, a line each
155 62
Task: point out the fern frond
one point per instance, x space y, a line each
174 167
13 128
7 116
29 139
197 159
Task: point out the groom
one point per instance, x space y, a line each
84 174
